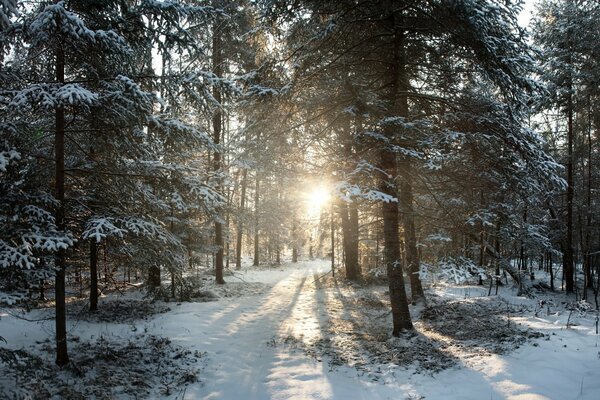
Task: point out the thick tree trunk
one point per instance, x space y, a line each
93 275
352 251
240 227
62 356
349 241
396 103
398 299
406 172
154 278
217 121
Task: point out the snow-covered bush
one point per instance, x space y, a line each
456 270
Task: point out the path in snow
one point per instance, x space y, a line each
242 338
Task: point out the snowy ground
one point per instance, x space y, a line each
293 333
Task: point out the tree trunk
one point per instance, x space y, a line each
387 161
93 275
332 240
295 241
568 256
410 238
62 356
587 261
217 121
398 299
240 227
405 198
352 250
256 220
349 240
154 278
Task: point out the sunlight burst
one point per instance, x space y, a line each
317 199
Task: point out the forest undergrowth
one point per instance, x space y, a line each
447 331
140 366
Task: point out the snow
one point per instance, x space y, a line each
257 344
6 157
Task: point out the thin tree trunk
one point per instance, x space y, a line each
295 241
256 220
551 271
62 356
568 256
587 260
410 238
93 275
240 227
352 250
332 241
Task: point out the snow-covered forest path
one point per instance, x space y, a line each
242 337
252 352
258 342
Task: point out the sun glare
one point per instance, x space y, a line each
316 200
319 197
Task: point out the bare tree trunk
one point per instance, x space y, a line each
398 299
295 241
93 275
240 227
587 260
350 239
408 218
400 314
217 121
352 250
551 263
256 220
62 355
154 278
332 240
568 256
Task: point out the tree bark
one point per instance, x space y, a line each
295 241
352 251
589 284
62 356
410 238
154 278
93 275
217 121
568 257
400 314
332 240
256 220
405 170
399 302
240 227
350 239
